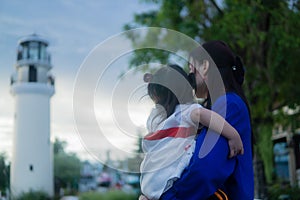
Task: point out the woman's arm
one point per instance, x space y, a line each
218 124
210 167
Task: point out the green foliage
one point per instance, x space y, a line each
276 191
263 147
66 166
264 33
4 173
34 195
59 146
111 195
266 36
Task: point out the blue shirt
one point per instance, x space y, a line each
210 168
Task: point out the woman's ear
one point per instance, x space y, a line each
205 67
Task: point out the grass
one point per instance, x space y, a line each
110 195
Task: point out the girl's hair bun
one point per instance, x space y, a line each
147 77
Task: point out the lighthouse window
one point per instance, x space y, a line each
25 52
43 52
20 53
32 74
33 50
31 168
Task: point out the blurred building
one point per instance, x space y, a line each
88 176
286 151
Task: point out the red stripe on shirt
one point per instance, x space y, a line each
176 132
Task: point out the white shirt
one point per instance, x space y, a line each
168 148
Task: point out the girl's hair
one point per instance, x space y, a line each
169 87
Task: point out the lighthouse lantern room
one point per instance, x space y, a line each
32 86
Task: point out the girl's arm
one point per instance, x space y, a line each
217 123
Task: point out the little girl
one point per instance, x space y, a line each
172 127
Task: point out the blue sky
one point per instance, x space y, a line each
73 28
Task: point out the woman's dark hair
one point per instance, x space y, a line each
169 87
228 65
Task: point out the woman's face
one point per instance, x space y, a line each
197 69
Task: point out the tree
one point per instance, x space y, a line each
264 33
4 173
66 167
59 146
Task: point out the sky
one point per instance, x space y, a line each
74 28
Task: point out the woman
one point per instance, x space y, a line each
172 126
210 174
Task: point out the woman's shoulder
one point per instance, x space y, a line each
234 99
229 98
236 104
231 101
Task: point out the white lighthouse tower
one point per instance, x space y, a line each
32 87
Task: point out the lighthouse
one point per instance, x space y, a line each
32 87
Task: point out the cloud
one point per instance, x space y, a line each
6 132
73 29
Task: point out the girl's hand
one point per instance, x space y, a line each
142 197
235 145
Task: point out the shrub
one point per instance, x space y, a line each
275 191
110 195
33 195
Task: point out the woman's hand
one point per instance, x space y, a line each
235 145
